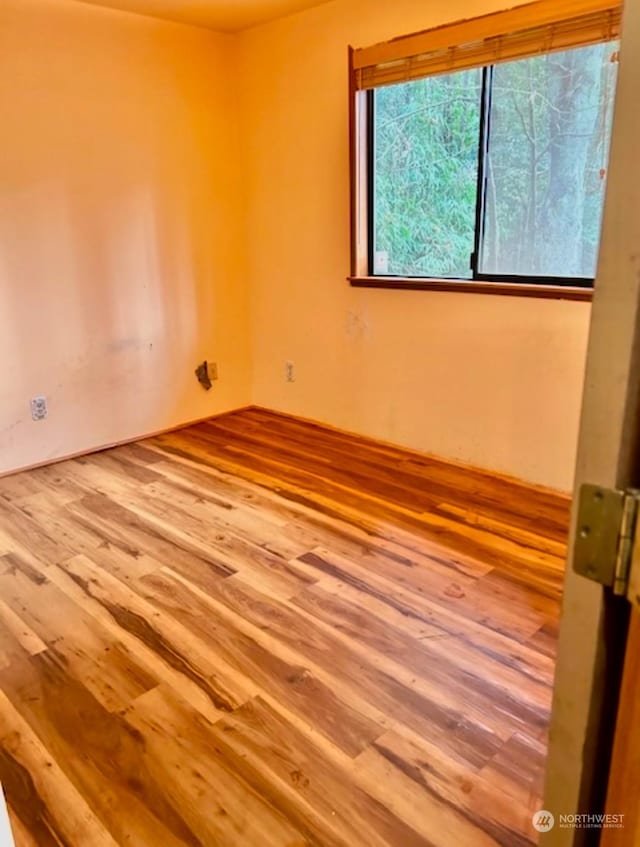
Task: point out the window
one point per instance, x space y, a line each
424 175
492 173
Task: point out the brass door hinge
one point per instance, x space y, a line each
607 547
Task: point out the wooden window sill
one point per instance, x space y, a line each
473 286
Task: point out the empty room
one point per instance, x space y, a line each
318 423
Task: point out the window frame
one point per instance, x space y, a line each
361 132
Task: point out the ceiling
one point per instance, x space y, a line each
222 15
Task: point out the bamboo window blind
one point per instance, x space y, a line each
534 28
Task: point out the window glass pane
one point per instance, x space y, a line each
426 138
546 168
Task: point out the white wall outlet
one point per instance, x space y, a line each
39 410
212 367
290 371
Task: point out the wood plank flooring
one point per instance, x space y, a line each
258 632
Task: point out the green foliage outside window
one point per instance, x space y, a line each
548 132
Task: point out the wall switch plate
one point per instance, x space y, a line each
289 372
39 410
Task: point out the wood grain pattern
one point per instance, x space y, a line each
259 631
623 797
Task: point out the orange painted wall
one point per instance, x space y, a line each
494 381
120 249
155 211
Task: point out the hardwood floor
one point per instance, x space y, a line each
263 633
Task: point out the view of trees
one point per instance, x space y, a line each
426 173
550 124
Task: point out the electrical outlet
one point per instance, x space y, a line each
39 410
212 367
290 371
